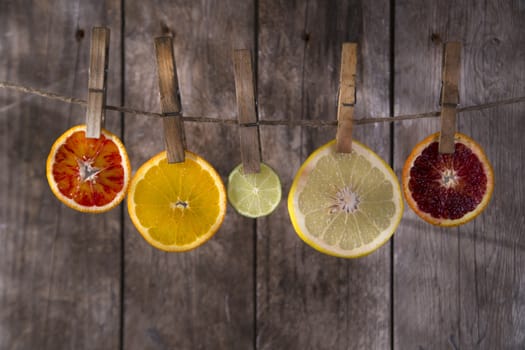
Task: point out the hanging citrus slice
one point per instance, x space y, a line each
448 189
254 195
345 204
177 207
89 175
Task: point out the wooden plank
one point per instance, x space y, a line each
463 288
246 113
174 138
305 299
59 269
201 299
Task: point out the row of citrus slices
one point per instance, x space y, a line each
345 205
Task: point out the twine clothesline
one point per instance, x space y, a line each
292 123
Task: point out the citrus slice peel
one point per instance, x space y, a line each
177 207
350 210
448 189
88 175
254 195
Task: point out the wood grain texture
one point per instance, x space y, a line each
463 288
174 137
449 95
59 269
172 124
346 99
167 74
201 299
305 299
97 79
256 284
246 112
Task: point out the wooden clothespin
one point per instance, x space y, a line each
173 126
449 96
346 101
247 113
98 66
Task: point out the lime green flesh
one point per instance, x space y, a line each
254 195
347 202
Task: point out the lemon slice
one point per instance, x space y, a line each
177 207
254 195
345 204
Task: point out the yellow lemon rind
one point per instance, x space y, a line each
317 244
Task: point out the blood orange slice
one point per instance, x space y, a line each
448 189
88 175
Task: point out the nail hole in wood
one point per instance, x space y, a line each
436 39
79 34
305 36
165 29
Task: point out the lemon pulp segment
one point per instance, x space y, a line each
345 204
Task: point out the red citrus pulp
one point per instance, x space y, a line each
89 175
448 189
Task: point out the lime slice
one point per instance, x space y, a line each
254 195
345 204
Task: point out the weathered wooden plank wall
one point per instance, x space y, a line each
462 288
59 269
202 299
73 281
307 300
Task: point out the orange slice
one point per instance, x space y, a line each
448 189
88 175
177 207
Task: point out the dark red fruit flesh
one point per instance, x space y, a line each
433 197
102 154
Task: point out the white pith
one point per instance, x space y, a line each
144 231
298 218
449 178
345 200
87 171
478 151
180 204
91 176
254 191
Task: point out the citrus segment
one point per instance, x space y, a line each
254 195
177 207
89 175
345 204
448 189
